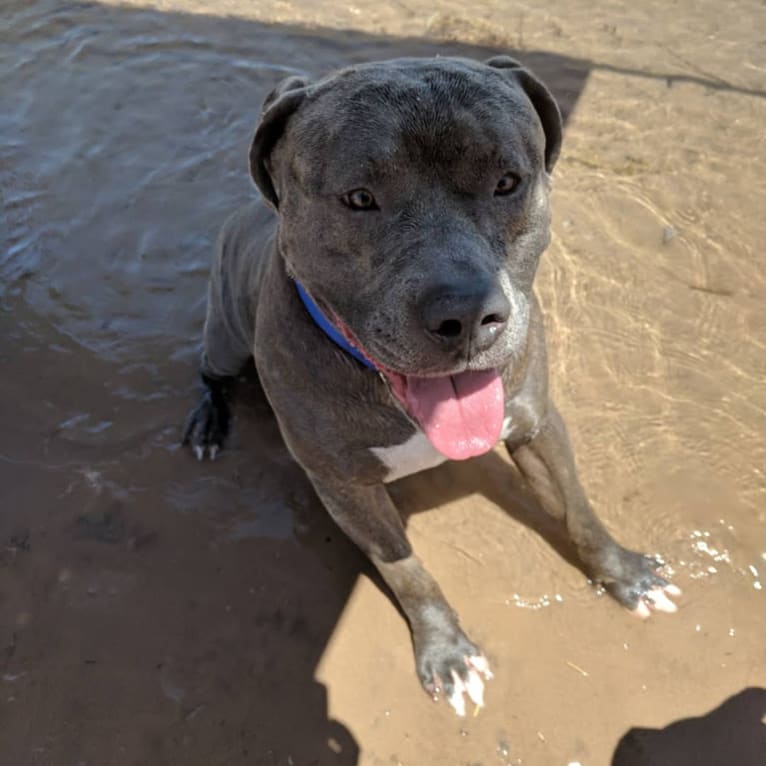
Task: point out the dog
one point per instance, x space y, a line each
383 285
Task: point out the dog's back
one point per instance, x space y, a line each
244 245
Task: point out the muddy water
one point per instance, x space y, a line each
158 611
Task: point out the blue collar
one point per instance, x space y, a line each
327 327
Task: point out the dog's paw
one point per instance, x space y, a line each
206 426
636 584
454 667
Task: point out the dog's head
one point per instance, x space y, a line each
413 205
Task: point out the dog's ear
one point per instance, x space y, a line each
275 112
545 105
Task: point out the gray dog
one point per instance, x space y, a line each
389 308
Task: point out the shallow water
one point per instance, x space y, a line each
156 610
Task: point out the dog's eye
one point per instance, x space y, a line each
360 199
507 184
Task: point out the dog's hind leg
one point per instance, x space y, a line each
225 353
207 425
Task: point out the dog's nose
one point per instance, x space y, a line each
465 318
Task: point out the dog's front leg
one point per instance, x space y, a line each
548 465
447 661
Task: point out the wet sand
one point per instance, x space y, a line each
154 610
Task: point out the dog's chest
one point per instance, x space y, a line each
415 455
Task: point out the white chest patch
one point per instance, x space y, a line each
416 454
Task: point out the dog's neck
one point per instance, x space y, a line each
328 328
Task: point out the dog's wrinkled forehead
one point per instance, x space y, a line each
372 121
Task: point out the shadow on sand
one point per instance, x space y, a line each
732 733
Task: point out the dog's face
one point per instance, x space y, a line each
413 204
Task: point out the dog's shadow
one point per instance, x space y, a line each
496 479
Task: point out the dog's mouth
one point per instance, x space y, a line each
460 413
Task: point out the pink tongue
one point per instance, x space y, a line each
462 415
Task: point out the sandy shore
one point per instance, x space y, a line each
155 611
